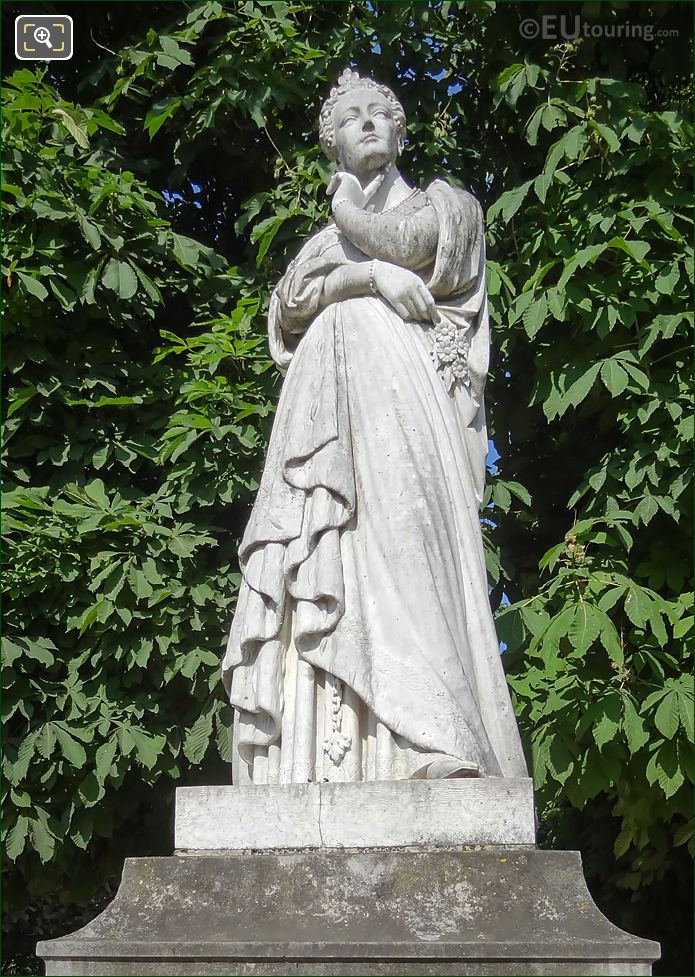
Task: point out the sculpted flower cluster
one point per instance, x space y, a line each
450 353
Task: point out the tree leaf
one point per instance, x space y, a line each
90 616
120 278
159 113
609 136
224 721
560 761
42 840
637 605
611 641
74 121
197 738
33 285
90 790
82 828
16 837
148 747
579 390
152 290
540 757
535 315
585 627
509 203
46 740
667 714
609 712
25 754
665 769
623 841
635 733
91 232
72 750
186 249
614 376
104 758
684 833
40 651
685 711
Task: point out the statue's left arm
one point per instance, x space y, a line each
405 239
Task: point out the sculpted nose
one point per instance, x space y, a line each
368 126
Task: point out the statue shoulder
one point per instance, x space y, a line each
315 246
461 239
445 197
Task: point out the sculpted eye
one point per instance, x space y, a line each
346 119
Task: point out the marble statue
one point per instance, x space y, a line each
363 645
362 662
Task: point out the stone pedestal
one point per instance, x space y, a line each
427 908
380 814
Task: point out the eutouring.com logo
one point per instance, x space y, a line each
564 27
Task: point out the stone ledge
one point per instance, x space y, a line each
379 814
501 911
423 967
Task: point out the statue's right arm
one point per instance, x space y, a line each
403 289
316 280
347 282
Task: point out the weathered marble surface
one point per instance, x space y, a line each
206 967
447 912
385 814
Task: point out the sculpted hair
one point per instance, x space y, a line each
349 81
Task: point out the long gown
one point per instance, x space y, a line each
363 645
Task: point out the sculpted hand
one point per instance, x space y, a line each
346 187
406 292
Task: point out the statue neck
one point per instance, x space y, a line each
391 192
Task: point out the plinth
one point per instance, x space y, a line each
413 878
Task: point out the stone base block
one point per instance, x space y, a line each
456 912
380 814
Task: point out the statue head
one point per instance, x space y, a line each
362 124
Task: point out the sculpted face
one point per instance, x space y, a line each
366 135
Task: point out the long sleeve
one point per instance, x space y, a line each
404 236
296 299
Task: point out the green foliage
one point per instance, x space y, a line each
119 584
597 282
151 206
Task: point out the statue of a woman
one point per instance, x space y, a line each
363 645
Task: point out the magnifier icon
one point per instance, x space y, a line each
43 36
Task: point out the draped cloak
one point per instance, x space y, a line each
362 563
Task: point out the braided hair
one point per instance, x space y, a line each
349 81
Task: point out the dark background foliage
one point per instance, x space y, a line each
155 187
